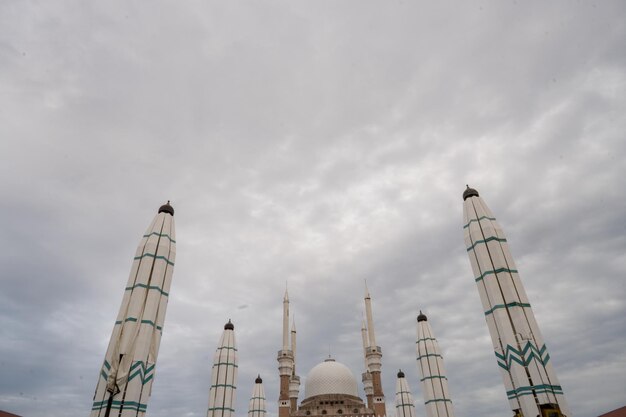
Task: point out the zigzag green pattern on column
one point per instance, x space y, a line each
511 355
141 370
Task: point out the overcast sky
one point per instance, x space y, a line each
322 143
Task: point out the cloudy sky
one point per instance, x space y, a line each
321 143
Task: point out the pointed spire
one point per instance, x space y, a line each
286 320
258 379
370 319
229 325
364 339
293 344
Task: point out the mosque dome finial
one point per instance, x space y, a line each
469 192
400 373
166 208
422 317
229 325
258 379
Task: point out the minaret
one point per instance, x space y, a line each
373 357
294 380
366 377
405 406
224 375
529 379
285 364
432 372
257 406
126 377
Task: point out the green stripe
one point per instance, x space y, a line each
433 377
255 410
425 339
429 354
536 389
225 363
498 306
257 398
161 235
489 239
152 255
221 408
404 405
149 287
126 405
477 220
134 319
436 400
497 271
226 347
107 365
403 392
224 385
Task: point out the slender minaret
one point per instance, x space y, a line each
257 401
126 377
432 372
224 375
366 377
405 406
530 381
294 380
285 363
373 356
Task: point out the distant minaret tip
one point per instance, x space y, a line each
469 192
167 208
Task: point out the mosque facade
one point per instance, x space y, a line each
331 389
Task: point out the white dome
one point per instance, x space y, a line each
330 377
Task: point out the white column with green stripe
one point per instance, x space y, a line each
257 407
432 372
224 376
529 378
405 406
125 380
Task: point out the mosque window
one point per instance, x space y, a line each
308 413
355 411
339 411
323 411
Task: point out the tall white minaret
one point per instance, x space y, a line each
529 379
224 375
285 363
405 406
366 377
432 372
294 380
374 363
125 380
257 407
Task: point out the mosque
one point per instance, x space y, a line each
532 388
